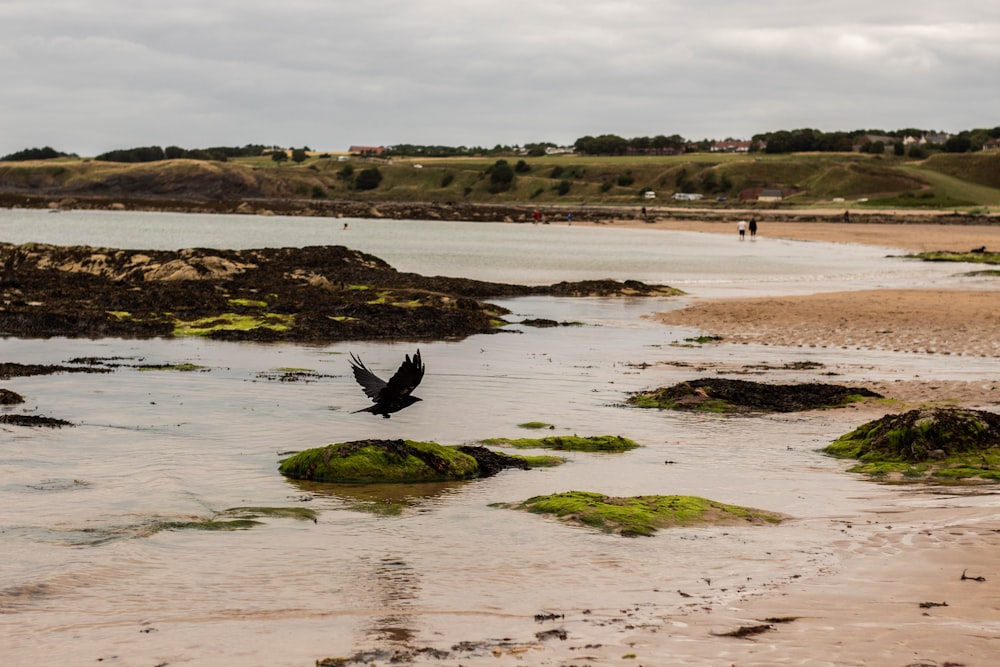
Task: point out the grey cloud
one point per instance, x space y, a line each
88 77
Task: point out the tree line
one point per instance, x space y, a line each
779 141
146 153
156 153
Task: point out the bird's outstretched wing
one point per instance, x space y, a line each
406 379
371 383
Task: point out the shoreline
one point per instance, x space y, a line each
628 215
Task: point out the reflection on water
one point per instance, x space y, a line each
88 574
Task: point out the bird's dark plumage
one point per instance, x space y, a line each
394 395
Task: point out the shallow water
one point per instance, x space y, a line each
86 575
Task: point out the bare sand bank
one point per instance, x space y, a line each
910 236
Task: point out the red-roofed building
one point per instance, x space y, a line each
366 150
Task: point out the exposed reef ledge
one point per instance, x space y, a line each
462 211
313 294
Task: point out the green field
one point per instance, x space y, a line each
969 181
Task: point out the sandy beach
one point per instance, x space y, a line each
897 596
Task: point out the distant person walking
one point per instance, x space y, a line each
753 228
741 227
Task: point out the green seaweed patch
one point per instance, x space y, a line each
568 443
209 524
975 257
742 396
183 368
239 518
640 515
206 326
930 443
247 303
370 461
535 425
378 508
298 513
542 461
394 298
703 340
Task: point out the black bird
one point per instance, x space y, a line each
394 395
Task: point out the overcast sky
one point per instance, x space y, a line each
87 76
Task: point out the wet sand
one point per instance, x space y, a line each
867 610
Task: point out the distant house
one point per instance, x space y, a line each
770 194
939 139
366 150
730 146
866 139
992 145
923 140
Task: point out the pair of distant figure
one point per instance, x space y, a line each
741 227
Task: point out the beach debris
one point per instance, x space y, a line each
33 420
965 577
548 616
746 631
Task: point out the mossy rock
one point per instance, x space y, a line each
392 461
568 443
536 425
945 443
640 515
736 396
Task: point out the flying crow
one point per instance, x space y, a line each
394 395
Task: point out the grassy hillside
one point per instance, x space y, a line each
949 181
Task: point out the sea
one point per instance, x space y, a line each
95 570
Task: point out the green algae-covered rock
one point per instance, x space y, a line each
640 515
934 442
366 461
568 443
